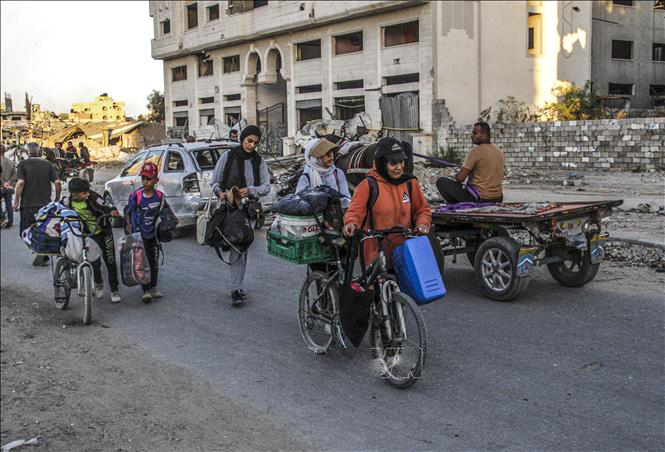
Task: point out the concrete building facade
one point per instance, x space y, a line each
628 48
411 65
103 108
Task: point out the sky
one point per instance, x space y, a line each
66 52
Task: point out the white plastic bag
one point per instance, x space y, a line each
74 249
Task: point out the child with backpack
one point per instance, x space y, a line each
90 206
142 214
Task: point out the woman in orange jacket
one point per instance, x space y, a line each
400 201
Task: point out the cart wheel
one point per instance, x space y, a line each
496 232
575 270
496 269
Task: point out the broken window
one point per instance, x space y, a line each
166 26
192 16
349 43
134 166
659 5
399 34
174 162
231 115
399 79
621 89
242 6
206 117
230 97
534 36
308 110
231 64
178 73
205 66
657 90
308 50
347 107
622 50
207 100
180 118
213 12
180 103
308 89
351 84
658 53
623 2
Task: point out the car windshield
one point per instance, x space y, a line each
206 159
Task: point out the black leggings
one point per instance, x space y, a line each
454 192
107 245
152 252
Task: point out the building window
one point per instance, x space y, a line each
231 116
623 2
347 107
205 66
350 84
179 73
622 50
308 110
231 97
658 53
308 89
206 100
659 5
405 33
534 35
349 43
192 16
308 50
231 64
180 103
657 90
400 79
166 26
242 6
213 12
206 117
621 89
180 121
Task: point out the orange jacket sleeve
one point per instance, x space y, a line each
358 206
422 213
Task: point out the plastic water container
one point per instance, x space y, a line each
417 271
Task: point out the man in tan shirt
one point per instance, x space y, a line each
484 169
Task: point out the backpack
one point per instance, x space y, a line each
166 218
229 228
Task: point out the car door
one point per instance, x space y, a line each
170 179
122 186
206 159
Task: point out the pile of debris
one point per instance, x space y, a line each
636 255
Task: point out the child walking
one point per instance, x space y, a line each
142 215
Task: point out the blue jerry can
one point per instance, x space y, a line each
417 271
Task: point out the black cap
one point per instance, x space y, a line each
390 149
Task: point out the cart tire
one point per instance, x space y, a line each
497 232
573 272
496 269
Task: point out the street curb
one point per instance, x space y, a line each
642 242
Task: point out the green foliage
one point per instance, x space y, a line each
448 154
574 103
155 107
510 111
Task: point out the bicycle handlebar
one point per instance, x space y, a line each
83 234
372 233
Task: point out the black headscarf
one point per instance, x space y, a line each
384 148
249 130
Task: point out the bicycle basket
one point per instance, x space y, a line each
42 243
306 250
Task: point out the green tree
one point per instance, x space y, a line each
155 106
574 103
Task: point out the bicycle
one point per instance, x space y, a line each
398 335
68 275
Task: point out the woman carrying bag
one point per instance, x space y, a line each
244 168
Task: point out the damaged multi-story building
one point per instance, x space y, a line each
411 65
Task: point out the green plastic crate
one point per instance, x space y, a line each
299 251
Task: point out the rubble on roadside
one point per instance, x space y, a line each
636 255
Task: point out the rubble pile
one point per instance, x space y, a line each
636 255
285 176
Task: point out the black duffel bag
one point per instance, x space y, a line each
229 228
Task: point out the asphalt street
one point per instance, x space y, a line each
558 369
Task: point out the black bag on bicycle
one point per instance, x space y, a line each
354 302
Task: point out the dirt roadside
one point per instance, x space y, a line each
77 387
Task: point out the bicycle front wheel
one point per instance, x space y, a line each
86 280
61 283
400 354
316 311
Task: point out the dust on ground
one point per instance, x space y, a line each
77 387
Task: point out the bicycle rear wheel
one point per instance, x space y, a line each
86 279
401 358
61 283
317 308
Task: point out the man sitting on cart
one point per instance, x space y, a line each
483 167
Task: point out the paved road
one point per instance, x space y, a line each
560 369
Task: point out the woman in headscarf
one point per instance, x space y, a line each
244 168
399 200
320 169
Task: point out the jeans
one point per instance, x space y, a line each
6 208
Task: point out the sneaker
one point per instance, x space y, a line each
115 297
46 261
243 295
99 290
154 293
236 298
147 298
